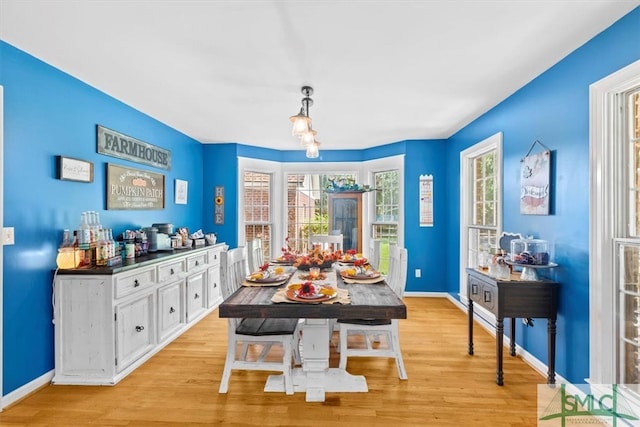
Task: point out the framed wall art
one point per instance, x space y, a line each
535 176
134 189
70 169
181 192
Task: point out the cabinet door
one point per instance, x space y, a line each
195 295
134 323
170 309
84 341
214 296
345 214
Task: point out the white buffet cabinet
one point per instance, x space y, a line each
108 321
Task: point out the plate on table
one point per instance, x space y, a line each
270 279
373 275
321 276
319 293
351 260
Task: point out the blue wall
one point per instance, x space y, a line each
49 113
554 109
425 245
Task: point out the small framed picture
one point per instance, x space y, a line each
181 192
70 169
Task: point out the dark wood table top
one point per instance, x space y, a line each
376 301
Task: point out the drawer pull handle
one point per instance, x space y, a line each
172 271
215 256
474 289
487 296
196 296
139 328
215 285
172 310
136 283
197 262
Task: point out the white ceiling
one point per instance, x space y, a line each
383 71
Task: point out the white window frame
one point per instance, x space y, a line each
373 167
494 142
266 167
279 172
606 221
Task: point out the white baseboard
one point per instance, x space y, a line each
426 294
30 387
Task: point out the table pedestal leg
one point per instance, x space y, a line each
315 377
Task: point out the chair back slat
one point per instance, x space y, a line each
398 264
255 254
233 270
373 257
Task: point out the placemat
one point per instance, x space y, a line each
342 298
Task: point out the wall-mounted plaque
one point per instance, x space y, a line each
71 169
218 210
129 188
119 145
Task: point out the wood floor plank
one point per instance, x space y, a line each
179 386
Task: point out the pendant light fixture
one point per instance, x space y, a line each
302 125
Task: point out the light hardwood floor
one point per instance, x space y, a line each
179 386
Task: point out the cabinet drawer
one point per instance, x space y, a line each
214 257
197 262
174 270
128 283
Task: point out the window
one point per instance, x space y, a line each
628 307
307 207
384 226
257 208
480 204
614 236
279 200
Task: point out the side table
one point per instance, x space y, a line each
514 298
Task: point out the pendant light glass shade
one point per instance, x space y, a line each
308 138
313 150
301 123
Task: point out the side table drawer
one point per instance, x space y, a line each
483 293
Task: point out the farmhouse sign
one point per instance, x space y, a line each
134 189
116 144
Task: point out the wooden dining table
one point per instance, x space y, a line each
315 377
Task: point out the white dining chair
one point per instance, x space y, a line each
255 255
373 257
327 241
372 329
250 332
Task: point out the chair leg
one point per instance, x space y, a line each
297 358
395 338
343 347
226 373
286 368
